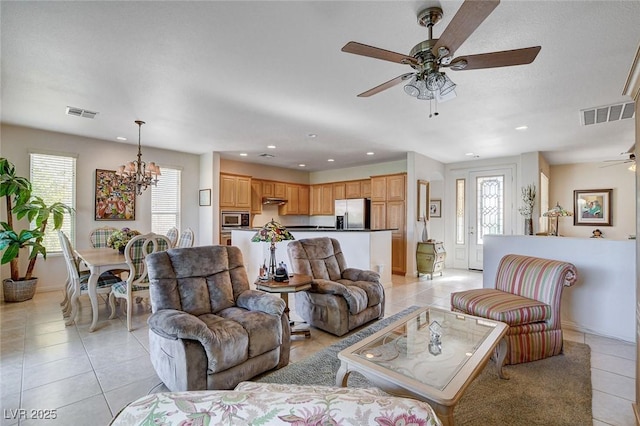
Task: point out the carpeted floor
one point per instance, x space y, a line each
554 391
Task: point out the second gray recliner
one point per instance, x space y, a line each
340 298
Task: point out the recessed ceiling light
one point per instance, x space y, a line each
302 165
121 138
522 127
469 154
243 154
371 153
312 135
331 160
271 146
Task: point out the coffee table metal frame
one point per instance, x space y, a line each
444 399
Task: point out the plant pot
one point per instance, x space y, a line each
528 227
19 291
121 250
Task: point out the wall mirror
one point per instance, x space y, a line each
423 200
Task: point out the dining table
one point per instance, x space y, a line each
99 260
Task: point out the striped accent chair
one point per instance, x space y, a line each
172 235
526 297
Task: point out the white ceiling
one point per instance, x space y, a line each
235 76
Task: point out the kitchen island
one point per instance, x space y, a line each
362 248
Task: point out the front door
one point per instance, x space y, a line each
488 210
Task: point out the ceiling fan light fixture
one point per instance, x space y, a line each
411 88
448 85
435 81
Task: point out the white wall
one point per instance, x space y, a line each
565 179
602 301
94 154
420 167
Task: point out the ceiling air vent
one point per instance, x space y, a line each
607 113
79 112
265 155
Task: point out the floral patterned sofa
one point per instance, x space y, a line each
252 403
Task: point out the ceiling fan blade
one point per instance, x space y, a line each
506 58
377 53
466 20
385 86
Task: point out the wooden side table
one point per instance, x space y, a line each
297 282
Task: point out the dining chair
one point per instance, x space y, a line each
77 280
172 235
186 238
99 236
136 285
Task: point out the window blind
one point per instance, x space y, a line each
165 201
53 178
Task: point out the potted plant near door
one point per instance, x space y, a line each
19 202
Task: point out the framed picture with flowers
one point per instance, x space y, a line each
114 200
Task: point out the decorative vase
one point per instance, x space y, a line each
121 249
528 226
19 291
425 233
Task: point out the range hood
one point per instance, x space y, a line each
274 200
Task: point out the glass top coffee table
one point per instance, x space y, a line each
431 354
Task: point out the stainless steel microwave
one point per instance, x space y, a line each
234 219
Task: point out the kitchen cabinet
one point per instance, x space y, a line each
396 218
321 199
268 188
303 199
353 189
280 190
365 188
388 210
378 215
339 191
379 188
396 187
430 258
256 196
297 200
235 191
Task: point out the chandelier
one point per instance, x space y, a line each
139 173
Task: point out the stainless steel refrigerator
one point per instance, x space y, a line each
352 214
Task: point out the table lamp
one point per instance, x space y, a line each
553 216
273 233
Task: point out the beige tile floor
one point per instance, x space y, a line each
88 377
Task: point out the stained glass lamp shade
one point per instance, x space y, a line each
553 216
273 233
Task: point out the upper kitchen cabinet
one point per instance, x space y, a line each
297 200
396 187
321 199
256 196
339 192
235 191
358 189
379 188
280 190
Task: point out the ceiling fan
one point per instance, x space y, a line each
630 158
427 82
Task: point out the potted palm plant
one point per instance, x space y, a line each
19 202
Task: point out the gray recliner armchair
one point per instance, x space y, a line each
340 298
208 329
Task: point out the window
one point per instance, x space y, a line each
53 178
460 219
165 201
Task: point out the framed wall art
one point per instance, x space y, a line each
592 207
204 198
423 200
114 199
435 208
